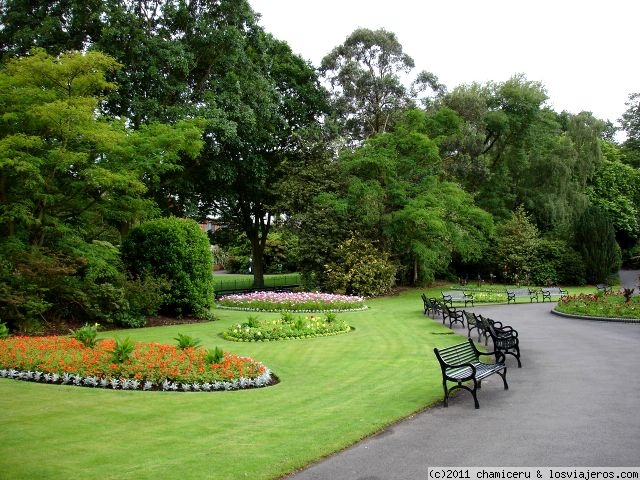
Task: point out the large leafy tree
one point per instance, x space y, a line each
392 194
210 59
71 180
364 73
631 125
55 26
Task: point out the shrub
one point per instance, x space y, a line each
361 269
177 251
122 350
186 341
4 330
86 334
556 263
595 239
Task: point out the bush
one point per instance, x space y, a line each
556 263
178 252
361 269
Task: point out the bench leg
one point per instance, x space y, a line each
503 374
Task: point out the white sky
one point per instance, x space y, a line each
585 52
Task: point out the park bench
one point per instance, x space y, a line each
461 363
473 323
504 337
452 315
549 292
515 293
457 296
431 306
604 288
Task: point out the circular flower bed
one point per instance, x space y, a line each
146 366
613 306
286 327
292 302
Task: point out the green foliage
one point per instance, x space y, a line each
186 341
215 355
360 269
516 246
286 328
364 72
87 334
556 263
185 262
4 330
596 242
122 350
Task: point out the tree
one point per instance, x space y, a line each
595 240
55 26
364 74
615 188
391 194
631 126
261 104
71 180
516 246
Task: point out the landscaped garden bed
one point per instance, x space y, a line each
286 327
292 302
613 306
127 365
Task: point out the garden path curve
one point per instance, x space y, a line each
573 403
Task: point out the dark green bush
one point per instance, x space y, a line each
361 269
556 263
177 251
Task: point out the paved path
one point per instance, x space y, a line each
574 402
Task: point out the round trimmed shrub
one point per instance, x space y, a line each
177 251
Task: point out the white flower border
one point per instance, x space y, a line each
166 385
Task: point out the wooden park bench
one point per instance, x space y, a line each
515 293
461 363
504 338
549 292
457 296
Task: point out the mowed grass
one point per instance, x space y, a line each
333 391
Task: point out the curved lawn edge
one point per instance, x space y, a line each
266 379
333 310
599 319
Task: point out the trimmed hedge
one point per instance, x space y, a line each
178 251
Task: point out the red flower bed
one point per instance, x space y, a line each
150 366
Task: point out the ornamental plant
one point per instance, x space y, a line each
149 366
286 327
600 305
292 301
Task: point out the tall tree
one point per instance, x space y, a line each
595 240
69 180
55 26
631 126
364 73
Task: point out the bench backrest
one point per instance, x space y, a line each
553 291
519 291
457 354
456 294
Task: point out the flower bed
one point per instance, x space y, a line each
285 328
599 305
292 301
150 366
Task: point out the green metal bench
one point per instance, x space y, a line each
461 363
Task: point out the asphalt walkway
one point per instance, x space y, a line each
575 402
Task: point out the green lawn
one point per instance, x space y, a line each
333 392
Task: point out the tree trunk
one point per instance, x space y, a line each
257 258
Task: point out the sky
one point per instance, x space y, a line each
585 53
